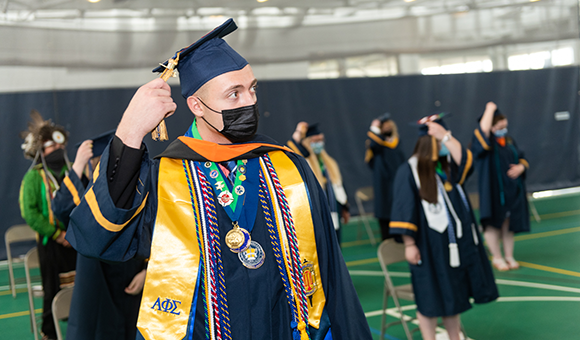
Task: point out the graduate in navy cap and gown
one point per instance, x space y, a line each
308 142
503 203
384 156
442 244
106 296
238 231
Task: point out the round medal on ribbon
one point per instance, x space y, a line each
253 257
213 174
207 164
225 198
238 239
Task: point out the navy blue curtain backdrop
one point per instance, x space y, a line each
344 108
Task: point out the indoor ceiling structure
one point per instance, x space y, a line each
140 33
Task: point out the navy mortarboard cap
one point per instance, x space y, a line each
100 142
384 117
206 59
313 130
436 118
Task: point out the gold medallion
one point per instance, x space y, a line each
237 239
242 178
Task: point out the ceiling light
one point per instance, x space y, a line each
261 0
409 0
93 1
534 0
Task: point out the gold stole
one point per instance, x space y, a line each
174 262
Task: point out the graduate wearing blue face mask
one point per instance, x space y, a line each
308 141
502 170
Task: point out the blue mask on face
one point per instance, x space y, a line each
444 151
317 147
501 133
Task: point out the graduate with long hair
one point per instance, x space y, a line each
434 217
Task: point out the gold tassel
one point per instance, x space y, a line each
160 132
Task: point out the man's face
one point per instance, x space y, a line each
226 91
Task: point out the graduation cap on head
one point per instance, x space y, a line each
206 59
313 130
384 117
100 142
421 124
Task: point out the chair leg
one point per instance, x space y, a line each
407 332
384 310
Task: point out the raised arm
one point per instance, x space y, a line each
487 118
445 137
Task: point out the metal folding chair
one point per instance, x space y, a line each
16 233
390 252
360 196
61 308
31 261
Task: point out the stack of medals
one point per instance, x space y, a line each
238 239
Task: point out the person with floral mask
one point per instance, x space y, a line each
384 156
434 218
44 143
238 233
308 141
502 169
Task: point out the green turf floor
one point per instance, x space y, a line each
539 301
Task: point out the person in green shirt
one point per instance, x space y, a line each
45 144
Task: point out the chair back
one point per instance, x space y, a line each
365 194
61 308
390 252
16 233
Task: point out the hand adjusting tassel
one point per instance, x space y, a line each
160 132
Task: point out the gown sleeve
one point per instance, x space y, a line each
480 144
461 172
342 311
67 197
405 211
114 219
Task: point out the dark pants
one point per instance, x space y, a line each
385 228
54 259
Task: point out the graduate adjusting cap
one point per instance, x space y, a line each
437 118
206 59
100 142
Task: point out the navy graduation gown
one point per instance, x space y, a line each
441 290
492 162
100 308
384 159
257 302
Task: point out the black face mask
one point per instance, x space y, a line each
55 160
240 124
388 133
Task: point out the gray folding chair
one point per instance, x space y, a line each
30 262
16 233
390 252
360 196
61 308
